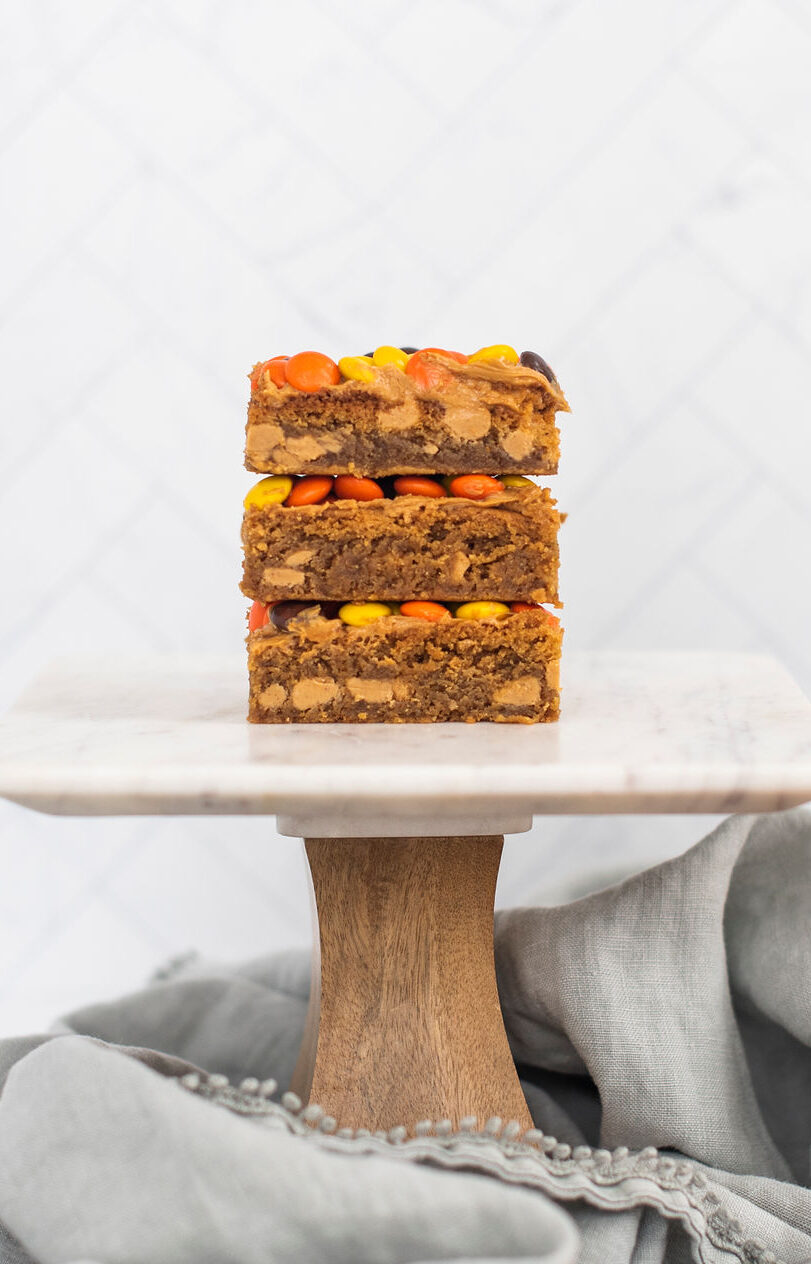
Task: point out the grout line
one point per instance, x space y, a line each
611 127
17 126
687 550
61 918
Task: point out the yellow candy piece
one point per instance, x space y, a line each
390 355
482 610
515 480
358 368
495 353
358 613
269 491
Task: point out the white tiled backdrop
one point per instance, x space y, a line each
190 185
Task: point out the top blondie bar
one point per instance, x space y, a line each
404 411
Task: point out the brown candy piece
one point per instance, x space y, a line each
283 611
531 360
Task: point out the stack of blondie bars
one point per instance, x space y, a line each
397 555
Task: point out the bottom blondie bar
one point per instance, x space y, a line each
403 670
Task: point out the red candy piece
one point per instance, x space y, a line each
518 606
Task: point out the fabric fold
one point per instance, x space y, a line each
672 1010
633 983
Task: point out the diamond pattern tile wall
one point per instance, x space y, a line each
187 187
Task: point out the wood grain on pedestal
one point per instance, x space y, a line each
410 1026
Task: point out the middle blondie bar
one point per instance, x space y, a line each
405 548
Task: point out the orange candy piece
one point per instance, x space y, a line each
275 367
475 486
348 487
258 616
312 371
310 490
431 611
413 485
428 375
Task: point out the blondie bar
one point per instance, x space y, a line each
406 546
435 416
395 669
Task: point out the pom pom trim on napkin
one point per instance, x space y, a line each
611 1180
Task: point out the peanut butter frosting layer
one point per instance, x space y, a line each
406 671
407 548
481 416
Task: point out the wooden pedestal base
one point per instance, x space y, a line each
404 1021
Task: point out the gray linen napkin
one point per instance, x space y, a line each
670 1011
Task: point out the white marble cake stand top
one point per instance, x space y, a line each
641 732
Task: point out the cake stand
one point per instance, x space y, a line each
403 827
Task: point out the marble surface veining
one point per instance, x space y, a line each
640 732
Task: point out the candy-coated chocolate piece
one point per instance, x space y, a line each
281 612
348 487
518 606
482 610
428 375
310 490
516 480
390 355
275 366
269 491
284 611
410 351
475 486
357 368
459 356
431 611
258 616
416 485
277 370
498 352
425 371
312 371
531 360
358 613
